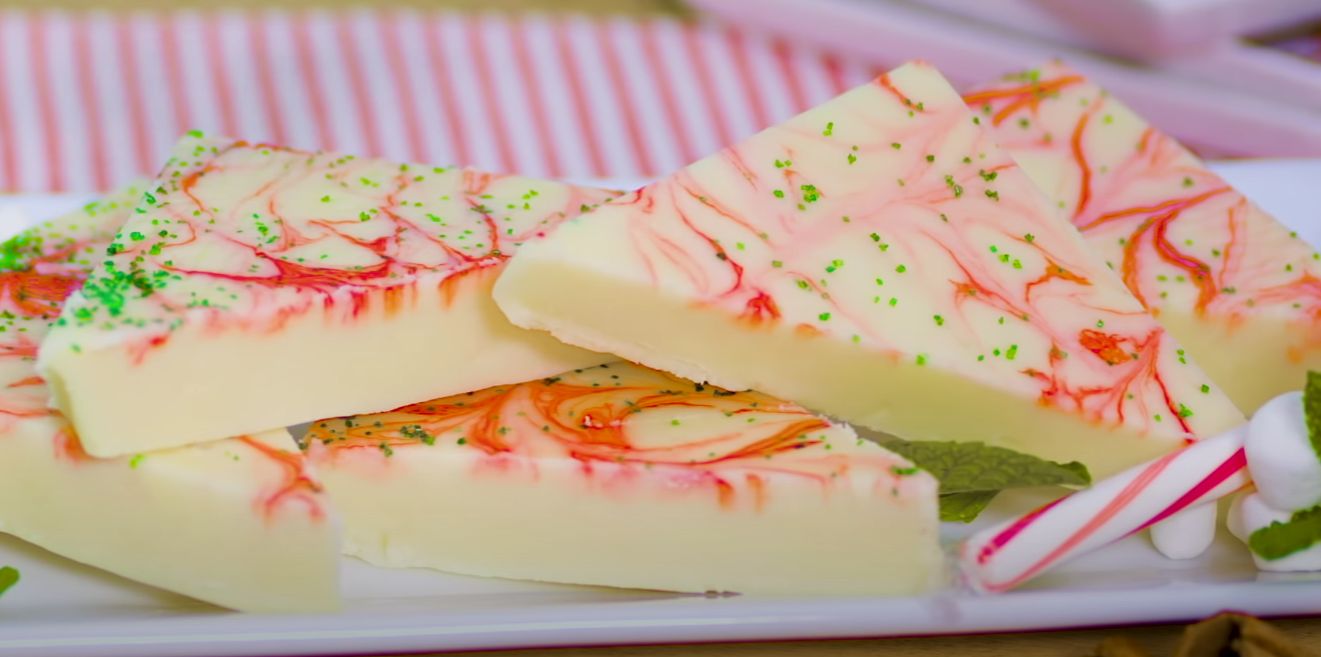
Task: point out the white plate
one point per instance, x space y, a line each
65 609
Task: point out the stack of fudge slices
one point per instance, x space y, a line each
1020 269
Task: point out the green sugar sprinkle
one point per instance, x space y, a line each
954 186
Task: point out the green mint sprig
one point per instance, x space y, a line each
1312 410
1281 539
971 474
8 578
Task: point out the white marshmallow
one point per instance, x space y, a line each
1186 534
1285 468
1251 512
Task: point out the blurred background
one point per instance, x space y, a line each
93 93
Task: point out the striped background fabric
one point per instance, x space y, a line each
91 100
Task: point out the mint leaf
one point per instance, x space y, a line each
1281 539
1312 410
965 507
971 474
8 578
963 467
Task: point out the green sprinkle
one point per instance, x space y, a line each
921 359
901 269
852 158
954 187
830 129
1011 352
779 193
825 317
1184 411
940 321
777 263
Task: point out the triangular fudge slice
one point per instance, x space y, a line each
879 259
623 476
239 522
259 287
1239 290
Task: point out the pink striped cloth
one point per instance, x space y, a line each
88 100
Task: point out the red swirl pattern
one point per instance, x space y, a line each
617 416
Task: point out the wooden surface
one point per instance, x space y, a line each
1158 640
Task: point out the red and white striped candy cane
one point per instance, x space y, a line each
1002 557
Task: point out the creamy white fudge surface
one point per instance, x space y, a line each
240 523
1238 289
622 476
257 287
877 258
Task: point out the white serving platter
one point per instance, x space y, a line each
64 609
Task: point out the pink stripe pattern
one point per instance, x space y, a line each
1003 557
541 95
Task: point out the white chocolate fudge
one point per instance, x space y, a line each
879 259
622 476
258 287
239 523
1239 290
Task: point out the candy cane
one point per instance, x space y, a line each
1002 557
